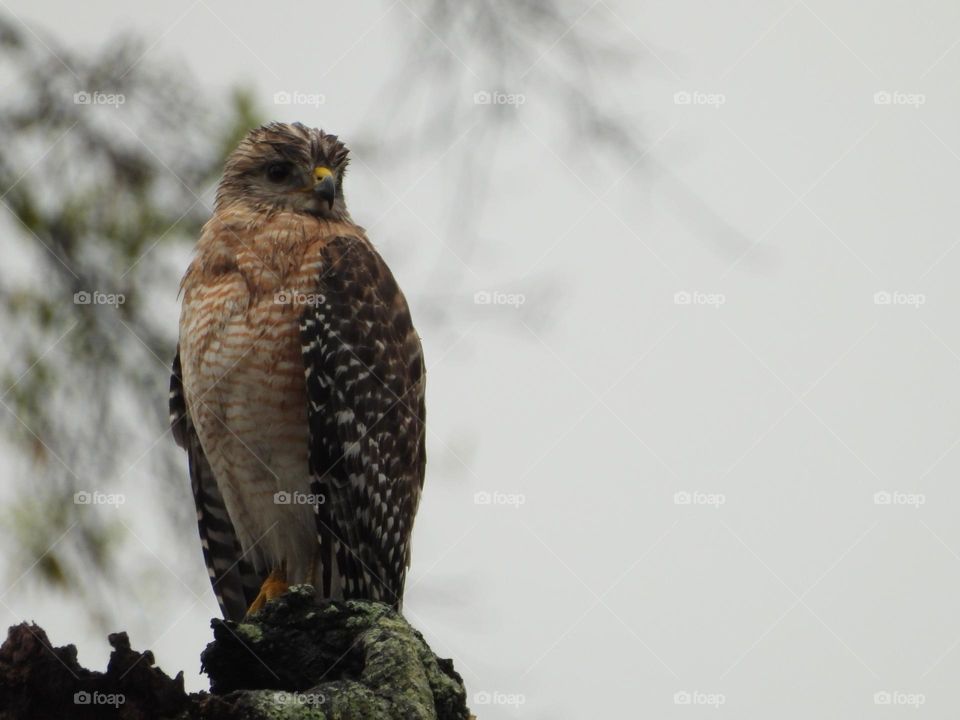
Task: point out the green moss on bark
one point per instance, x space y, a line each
361 658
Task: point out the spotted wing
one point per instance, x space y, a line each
365 390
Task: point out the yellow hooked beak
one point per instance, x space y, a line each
324 185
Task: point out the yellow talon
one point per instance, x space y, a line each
273 587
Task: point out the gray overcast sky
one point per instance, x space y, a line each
747 348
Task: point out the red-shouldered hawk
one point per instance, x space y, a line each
298 385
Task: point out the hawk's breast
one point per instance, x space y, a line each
243 379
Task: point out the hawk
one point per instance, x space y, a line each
298 384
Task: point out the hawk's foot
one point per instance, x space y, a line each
273 587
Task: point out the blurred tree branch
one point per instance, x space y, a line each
86 201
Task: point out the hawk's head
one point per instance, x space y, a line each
287 167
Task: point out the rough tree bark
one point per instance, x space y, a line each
293 660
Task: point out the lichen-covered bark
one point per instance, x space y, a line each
295 660
351 659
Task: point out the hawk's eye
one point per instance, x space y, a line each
279 171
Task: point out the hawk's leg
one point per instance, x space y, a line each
273 587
